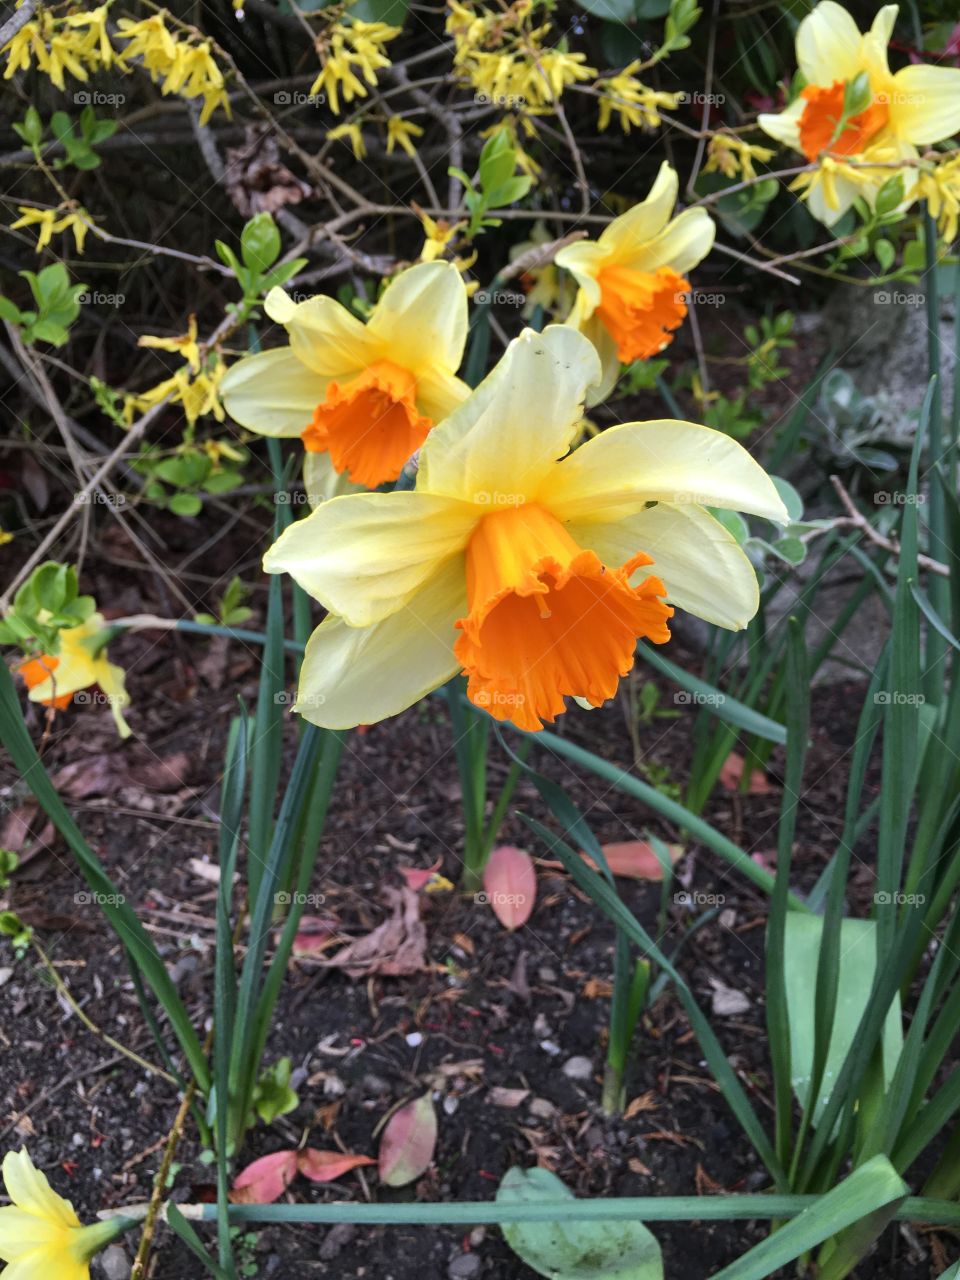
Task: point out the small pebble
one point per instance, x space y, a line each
464 1267
114 1263
5 976
414 1038
450 1104
548 1046
546 974
578 1069
542 1108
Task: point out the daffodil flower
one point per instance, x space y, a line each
533 576
41 1237
632 281
81 662
915 107
361 396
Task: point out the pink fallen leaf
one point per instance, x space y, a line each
635 859
314 936
408 1143
732 771
266 1179
418 878
325 1166
510 885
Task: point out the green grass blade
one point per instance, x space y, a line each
225 983
667 808
722 705
862 1205
266 746
778 1018
188 1235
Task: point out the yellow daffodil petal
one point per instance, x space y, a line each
619 470
324 335
439 393
646 219
359 675
681 245
701 565
421 320
501 444
273 393
925 103
584 262
606 347
29 1190
321 481
111 680
365 555
829 45
785 125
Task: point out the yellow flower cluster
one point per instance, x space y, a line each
76 43
637 106
504 56
196 385
51 222
939 185
177 65
80 42
730 155
352 54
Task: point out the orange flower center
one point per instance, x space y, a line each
641 309
35 670
821 119
547 619
370 426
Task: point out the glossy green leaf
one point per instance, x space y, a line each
566 1250
857 965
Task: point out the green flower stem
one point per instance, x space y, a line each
645 1208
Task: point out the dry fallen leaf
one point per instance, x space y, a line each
732 771
408 1143
510 885
325 1166
645 1102
396 948
266 1179
727 1001
256 179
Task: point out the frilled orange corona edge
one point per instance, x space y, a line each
370 425
821 119
640 309
547 619
35 670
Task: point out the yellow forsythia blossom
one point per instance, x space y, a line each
939 185
352 134
505 57
186 345
177 65
401 133
50 224
352 54
730 155
532 576
636 105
